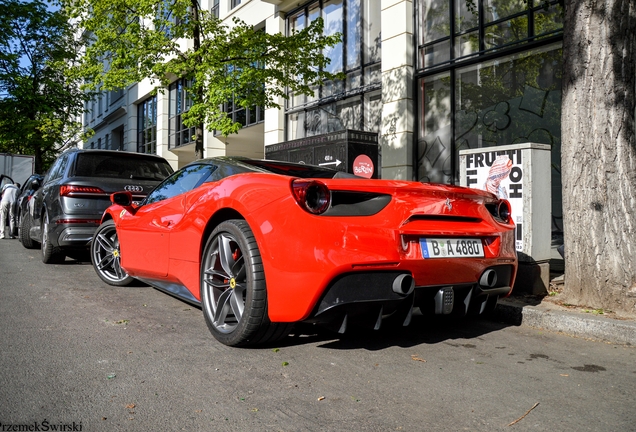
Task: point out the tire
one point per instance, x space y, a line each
50 254
106 257
26 221
233 288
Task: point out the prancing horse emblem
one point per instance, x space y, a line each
449 206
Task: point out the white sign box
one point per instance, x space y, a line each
519 173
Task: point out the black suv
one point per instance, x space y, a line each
67 209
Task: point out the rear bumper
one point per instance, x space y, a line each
366 298
76 236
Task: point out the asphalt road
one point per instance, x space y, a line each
78 353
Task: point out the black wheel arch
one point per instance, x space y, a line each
217 218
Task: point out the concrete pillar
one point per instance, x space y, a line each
274 124
397 129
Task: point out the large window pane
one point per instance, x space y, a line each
358 55
373 74
316 120
332 16
434 20
296 125
372 27
354 30
435 54
467 44
372 111
348 115
466 15
297 22
434 140
512 100
180 102
548 21
313 12
146 126
506 32
499 9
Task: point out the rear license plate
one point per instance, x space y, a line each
451 248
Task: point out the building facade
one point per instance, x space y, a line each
429 77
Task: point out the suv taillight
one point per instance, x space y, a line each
79 191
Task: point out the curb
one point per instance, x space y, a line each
576 324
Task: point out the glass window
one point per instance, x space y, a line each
215 9
372 111
332 17
509 100
180 102
506 32
354 32
548 22
234 3
245 116
434 138
119 165
466 15
56 170
358 55
147 126
434 20
495 10
480 26
371 32
182 181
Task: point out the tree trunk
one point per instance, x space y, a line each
196 40
599 153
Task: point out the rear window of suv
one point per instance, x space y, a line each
120 165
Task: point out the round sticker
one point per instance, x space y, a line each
363 166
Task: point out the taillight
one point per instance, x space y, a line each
311 195
504 211
73 191
501 211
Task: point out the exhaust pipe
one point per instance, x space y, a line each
404 284
488 279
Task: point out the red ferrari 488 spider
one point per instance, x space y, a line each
260 245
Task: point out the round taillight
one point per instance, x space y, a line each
311 195
503 209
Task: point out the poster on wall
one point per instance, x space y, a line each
501 173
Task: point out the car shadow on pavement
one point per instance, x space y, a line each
77 257
421 330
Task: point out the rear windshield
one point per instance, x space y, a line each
120 165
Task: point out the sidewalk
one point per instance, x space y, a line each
542 313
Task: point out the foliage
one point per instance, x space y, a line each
132 40
39 107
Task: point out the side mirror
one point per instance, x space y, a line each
35 184
123 199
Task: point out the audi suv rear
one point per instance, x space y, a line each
68 207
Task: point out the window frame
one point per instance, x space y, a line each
362 77
147 125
